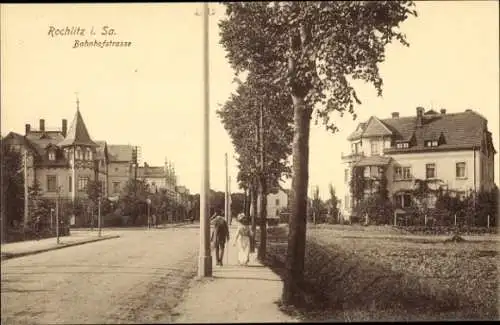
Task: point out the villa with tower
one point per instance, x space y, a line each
63 161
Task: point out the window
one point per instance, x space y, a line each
366 172
431 143
52 155
51 183
402 173
356 148
70 184
277 202
89 154
82 183
460 170
78 154
430 171
346 175
403 200
402 145
374 147
116 187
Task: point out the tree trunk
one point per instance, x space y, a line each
294 265
253 195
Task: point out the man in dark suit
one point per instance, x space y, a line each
220 235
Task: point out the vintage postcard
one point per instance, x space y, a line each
249 162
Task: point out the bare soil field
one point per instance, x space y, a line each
382 274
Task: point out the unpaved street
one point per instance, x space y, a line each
137 278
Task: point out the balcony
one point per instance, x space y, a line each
351 157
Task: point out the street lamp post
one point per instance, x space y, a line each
148 201
99 216
205 258
57 217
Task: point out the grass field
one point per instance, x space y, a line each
381 274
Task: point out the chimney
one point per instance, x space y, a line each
420 115
42 125
64 127
443 111
27 128
395 115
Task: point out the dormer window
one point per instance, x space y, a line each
402 145
89 154
431 143
52 155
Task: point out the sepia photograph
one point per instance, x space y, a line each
249 162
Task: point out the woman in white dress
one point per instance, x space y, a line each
243 237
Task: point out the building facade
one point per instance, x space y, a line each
450 151
276 202
63 161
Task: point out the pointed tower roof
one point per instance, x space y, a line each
77 134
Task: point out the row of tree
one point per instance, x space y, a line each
132 201
298 57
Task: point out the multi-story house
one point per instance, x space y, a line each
63 161
450 150
119 168
276 202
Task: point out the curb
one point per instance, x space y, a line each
7 256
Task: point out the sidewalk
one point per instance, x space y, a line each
18 249
235 294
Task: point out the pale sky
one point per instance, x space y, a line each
150 94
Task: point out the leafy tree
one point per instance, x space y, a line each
133 198
263 144
316 204
12 185
312 50
332 202
357 185
38 206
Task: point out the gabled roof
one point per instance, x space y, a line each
459 130
357 133
100 150
455 131
375 128
120 153
77 134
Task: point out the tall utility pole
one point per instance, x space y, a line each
262 188
229 199
226 196
205 258
57 214
99 216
